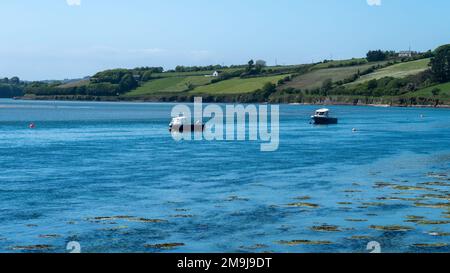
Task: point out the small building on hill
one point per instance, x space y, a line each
405 54
214 74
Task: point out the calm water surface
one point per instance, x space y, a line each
87 163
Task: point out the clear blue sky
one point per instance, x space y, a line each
50 39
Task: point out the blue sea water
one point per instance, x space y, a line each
86 163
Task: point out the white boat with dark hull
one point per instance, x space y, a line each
180 124
322 116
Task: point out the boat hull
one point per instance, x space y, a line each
182 128
324 120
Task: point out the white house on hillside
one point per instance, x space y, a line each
405 54
214 74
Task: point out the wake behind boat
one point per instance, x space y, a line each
322 117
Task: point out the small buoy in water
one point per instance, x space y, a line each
32 125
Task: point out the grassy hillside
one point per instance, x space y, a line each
340 63
237 85
393 81
444 93
400 70
193 73
170 85
315 78
83 82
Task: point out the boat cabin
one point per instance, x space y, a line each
321 116
178 120
322 112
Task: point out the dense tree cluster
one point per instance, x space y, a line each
10 90
181 68
376 56
440 64
12 87
122 80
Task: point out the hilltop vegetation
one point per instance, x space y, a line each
238 85
381 77
170 85
318 75
11 87
400 70
408 81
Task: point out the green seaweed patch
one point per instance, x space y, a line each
435 245
437 175
182 216
415 217
33 247
352 191
126 218
363 237
109 218
391 228
254 247
436 196
164 246
374 204
412 199
436 183
302 204
236 198
49 236
302 198
303 242
356 220
114 228
146 220
383 185
409 188
326 228
433 222
433 205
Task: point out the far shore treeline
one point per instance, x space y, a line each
383 77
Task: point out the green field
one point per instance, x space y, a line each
170 85
427 92
237 85
194 73
315 79
400 70
75 84
333 64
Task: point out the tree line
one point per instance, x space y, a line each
11 87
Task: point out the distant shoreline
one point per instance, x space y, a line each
106 99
